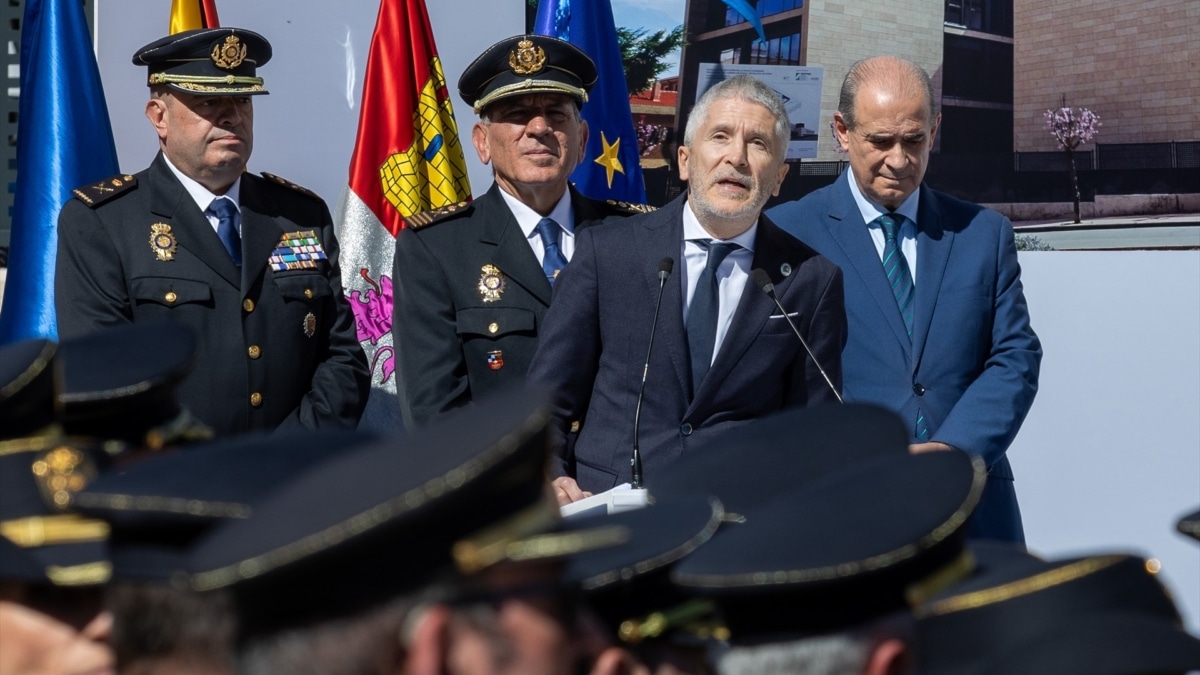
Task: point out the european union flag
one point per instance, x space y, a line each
64 140
610 168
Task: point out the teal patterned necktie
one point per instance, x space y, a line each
896 268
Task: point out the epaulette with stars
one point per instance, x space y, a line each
427 218
287 183
629 207
95 194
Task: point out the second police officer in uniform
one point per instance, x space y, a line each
474 279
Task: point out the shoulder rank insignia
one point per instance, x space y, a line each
630 208
427 218
287 183
95 194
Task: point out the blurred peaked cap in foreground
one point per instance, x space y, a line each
380 521
853 546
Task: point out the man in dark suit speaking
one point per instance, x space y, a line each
939 332
723 352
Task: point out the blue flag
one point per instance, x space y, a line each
64 140
610 168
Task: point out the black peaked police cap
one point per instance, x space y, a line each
384 520
28 384
767 457
158 507
527 64
207 61
1097 615
854 546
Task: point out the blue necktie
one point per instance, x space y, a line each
899 276
702 314
552 258
896 268
227 230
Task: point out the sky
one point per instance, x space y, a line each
653 15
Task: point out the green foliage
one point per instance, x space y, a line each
1031 242
643 53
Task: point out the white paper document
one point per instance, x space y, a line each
621 498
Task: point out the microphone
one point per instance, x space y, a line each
635 460
763 281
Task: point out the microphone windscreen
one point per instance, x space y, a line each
760 279
666 265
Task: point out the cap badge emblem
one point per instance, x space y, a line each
527 59
491 283
230 54
162 241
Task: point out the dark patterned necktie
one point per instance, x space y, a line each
226 214
702 314
896 268
552 258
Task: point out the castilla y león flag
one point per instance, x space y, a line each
407 159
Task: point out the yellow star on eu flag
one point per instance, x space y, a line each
608 159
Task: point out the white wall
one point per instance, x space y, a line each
304 130
1109 458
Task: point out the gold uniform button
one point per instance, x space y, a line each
170 297
493 327
254 351
248 305
308 293
256 399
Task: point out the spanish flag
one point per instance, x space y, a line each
192 14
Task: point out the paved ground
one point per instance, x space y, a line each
1176 231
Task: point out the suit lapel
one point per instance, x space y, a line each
847 228
659 236
260 231
933 252
512 253
192 230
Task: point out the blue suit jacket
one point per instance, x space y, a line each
594 340
972 368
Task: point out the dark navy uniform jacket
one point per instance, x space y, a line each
455 341
275 348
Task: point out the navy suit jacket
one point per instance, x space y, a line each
971 367
595 336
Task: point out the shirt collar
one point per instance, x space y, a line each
201 194
694 231
528 219
870 210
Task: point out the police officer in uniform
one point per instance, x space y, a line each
472 280
249 262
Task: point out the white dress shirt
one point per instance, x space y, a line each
527 219
731 275
907 234
204 198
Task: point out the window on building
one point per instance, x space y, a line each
985 16
764 8
977 70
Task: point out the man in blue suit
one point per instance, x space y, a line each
723 352
950 347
